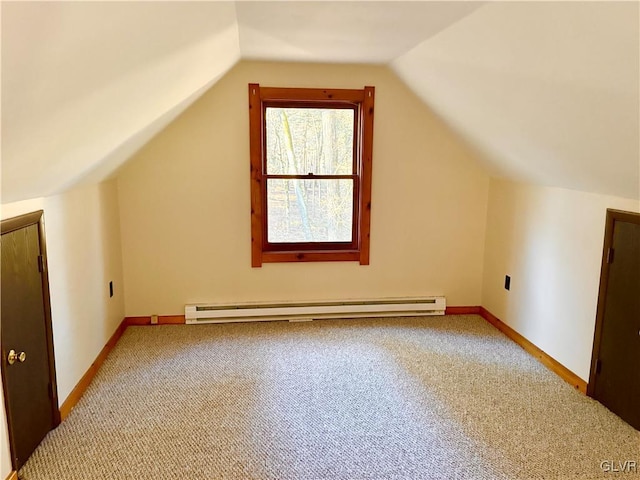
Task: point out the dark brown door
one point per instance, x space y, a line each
27 362
616 369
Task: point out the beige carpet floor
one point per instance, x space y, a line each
413 398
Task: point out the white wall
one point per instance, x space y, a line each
5 453
83 246
185 208
549 240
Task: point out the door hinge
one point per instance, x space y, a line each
610 255
598 366
41 263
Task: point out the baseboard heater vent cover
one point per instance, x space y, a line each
257 312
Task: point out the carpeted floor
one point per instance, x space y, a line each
418 398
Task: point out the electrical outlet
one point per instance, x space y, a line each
154 319
507 282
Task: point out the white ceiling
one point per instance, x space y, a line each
85 84
345 32
547 92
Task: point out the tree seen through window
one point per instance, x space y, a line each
311 156
312 142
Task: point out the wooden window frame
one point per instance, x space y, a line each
362 102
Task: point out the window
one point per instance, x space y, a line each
310 174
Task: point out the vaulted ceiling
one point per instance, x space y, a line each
545 92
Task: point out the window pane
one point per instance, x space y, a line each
309 140
309 210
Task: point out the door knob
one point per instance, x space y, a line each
13 356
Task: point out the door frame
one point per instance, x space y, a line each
7 226
613 216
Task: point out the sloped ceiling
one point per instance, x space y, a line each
546 92
85 84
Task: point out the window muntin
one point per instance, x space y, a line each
310 174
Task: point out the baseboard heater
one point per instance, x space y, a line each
305 311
